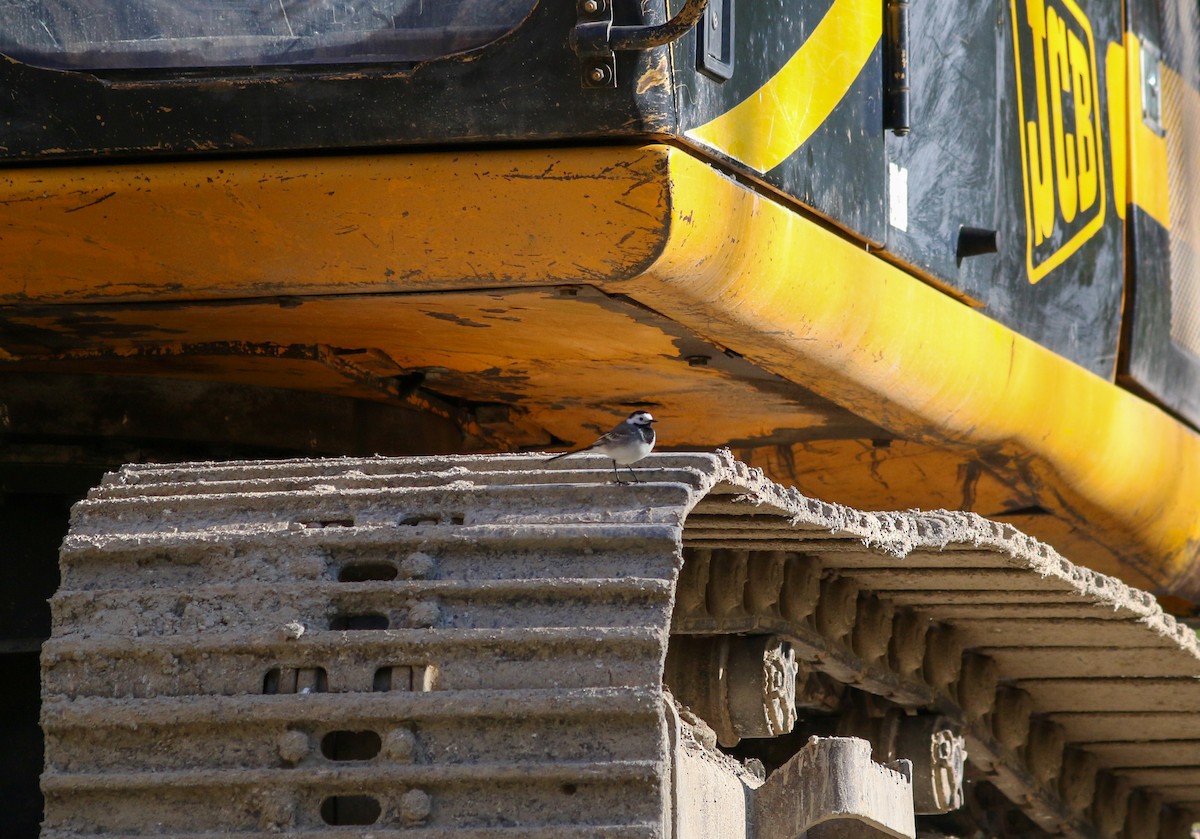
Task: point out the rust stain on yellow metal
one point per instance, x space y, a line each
904 474
203 230
655 76
893 475
577 365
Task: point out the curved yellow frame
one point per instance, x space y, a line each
825 313
652 223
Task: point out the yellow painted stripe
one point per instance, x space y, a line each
1147 151
1114 74
780 116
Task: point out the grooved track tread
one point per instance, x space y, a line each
499 625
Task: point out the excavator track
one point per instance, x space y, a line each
476 646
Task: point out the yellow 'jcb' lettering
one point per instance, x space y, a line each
1063 85
1062 147
1039 129
1060 82
1085 134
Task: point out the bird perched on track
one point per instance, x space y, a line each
629 442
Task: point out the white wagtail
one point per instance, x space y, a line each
629 442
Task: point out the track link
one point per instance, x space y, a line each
475 645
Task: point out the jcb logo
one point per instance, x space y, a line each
1062 159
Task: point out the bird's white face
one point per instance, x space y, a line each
641 418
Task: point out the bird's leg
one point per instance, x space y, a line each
636 479
616 474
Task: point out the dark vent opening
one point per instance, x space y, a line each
350 809
366 572
296 680
433 518
316 524
351 745
370 620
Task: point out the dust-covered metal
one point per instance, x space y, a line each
741 686
596 39
832 789
475 645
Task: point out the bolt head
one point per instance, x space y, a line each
415 806
591 6
597 74
401 745
293 746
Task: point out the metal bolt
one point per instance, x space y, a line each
415 806
598 74
423 615
276 814
293 746
416 566
591 6
401 745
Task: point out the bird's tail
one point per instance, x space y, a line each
564 454
571 452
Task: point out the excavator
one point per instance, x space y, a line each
298 298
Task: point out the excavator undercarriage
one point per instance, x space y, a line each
485 646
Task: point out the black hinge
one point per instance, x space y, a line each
597 40
895 67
